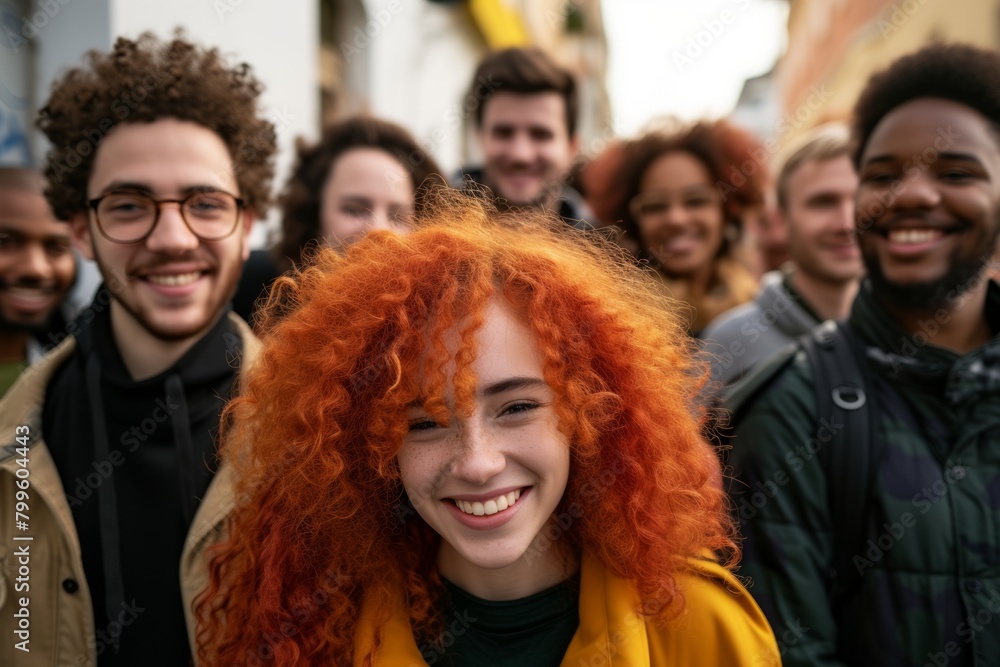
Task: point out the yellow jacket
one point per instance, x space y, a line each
61 617
721 625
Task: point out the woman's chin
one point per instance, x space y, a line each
494 557
679 270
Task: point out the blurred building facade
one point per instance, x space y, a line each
834 46
758 105
411 61
40 39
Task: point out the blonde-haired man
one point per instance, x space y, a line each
816 188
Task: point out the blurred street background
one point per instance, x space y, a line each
778 67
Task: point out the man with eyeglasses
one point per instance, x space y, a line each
111 439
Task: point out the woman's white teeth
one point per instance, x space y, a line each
492 506
175 280
913 235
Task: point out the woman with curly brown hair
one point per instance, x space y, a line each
475 445
683 196
363 174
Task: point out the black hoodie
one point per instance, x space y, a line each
135 458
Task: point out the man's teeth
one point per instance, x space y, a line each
28 294
175 280
498 504
913 235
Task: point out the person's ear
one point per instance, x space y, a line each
246 225
574 145
80 237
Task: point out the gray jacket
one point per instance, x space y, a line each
742 336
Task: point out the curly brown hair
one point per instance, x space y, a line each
302 199
722 147
144 80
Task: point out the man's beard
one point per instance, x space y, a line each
18 326
32 328
963 274
229 278
218 305
547 194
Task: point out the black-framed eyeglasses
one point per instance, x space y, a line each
127 216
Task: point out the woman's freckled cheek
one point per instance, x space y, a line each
424 466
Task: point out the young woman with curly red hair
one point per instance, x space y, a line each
475 444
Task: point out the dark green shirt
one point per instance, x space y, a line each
534 631
9 370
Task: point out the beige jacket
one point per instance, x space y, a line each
46 571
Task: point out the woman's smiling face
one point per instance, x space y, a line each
489 482
366 189
679 214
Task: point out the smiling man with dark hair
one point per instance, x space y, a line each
885 545
117 425
526 117
37 270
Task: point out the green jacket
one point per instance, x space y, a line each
929 585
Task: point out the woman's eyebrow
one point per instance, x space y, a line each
357 199
511 383
499 387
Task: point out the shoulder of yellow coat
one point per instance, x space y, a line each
721 623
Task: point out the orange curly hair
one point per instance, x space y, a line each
314 435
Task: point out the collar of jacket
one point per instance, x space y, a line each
570 205
22 405
607 619
610 632
208 518
908 358
776 298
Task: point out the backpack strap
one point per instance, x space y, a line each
844 401
738 396
735 400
